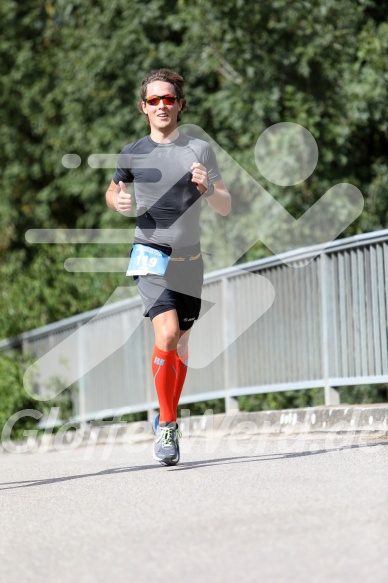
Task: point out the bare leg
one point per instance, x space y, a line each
166 328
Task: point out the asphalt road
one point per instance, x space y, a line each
253 508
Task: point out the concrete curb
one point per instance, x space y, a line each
354 419
346 418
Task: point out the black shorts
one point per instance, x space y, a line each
178 289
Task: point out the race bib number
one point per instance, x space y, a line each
145 260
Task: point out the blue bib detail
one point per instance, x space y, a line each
146 259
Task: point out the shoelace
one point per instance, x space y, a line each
166 436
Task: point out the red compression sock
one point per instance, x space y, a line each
164 371
181 371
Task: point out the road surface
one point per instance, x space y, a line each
243 508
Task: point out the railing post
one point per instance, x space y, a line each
231 403
81 369
331 394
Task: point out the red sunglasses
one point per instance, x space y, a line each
167 99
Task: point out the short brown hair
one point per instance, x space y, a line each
169 76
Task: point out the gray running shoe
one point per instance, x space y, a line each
166 446
155 424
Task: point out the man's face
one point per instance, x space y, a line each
162 117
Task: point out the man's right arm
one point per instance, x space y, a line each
118 198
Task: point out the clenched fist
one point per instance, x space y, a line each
123 199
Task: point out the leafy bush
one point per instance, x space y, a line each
14 398
282 400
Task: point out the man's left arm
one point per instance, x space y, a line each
217 195
220 200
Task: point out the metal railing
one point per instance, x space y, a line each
326 327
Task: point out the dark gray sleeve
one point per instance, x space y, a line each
123 169
210 163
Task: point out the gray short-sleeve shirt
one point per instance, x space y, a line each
168 203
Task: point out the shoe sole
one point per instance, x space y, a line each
166 461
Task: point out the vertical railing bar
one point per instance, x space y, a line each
369 314
317 318
383 293
362 311
226 325
342 305
290 307
333 315
375 312
81 368
324 330
349 313
356 353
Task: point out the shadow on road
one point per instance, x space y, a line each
186 465
268 457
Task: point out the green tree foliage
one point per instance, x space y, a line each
313 398
319 64
14 399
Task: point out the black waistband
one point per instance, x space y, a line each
187 251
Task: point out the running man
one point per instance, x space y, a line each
172 173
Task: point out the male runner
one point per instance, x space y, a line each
172 173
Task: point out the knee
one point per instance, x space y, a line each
167 338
